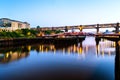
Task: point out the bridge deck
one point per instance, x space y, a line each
93 26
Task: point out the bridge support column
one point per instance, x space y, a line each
117 61
97 28
117 28
66 29
52 28
73 29
80 28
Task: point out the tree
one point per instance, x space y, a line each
38 27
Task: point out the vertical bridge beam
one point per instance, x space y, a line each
117 28
53 29
66 29
73 28
97 28
117 61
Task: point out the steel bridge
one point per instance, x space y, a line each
81 27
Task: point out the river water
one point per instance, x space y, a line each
86 60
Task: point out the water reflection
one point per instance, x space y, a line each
103 47
95 60
116 45
9 54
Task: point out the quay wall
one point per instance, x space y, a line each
25 41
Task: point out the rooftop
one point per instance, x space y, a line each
13 20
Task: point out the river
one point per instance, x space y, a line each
85 60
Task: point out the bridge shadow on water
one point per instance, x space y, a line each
57 74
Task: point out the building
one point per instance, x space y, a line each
9 24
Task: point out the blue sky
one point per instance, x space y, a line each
61 12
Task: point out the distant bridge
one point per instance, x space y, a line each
81 27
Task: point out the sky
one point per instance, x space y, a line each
53 13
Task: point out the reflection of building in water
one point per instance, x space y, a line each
14 53
13 56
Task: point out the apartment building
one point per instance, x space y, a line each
11 25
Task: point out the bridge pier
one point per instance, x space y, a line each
97 28
117 28
66 29
73 29
52 28
117 61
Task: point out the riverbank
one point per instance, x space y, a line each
50 40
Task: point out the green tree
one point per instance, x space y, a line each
38 27
48 32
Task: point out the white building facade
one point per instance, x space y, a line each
11 25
